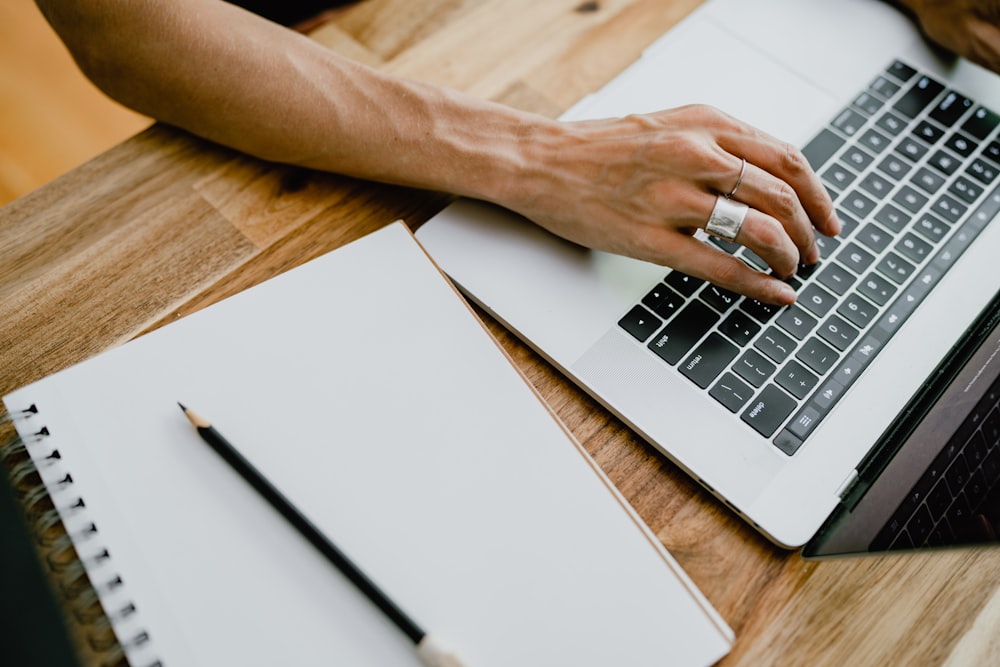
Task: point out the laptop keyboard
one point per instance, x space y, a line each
913 171
950 503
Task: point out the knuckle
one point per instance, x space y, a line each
793 161
728 271
769 235
785 201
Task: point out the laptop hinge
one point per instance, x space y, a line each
845 489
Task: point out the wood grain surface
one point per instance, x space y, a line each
165 223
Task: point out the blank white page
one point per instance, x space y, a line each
365 389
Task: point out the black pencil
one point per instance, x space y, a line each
428 650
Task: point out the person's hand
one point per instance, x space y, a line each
969 28
641 186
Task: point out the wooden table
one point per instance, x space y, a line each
165 224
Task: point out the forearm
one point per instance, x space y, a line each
638 186
268 91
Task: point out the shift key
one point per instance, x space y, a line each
683 331
769 410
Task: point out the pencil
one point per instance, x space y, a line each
430 652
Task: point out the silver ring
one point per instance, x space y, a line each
727 218
739 180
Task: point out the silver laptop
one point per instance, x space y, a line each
776 412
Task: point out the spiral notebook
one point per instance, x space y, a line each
366 390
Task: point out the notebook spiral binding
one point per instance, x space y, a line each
105 622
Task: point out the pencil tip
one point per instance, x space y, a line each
182 406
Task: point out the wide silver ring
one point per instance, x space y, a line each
727 218
739 180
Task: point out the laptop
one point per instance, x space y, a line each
784 423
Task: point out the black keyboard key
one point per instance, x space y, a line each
796 379
949 208
867 103
856 158
848 223
921 94
966 190
838 333
991 466
754 368
982 171
950 108
683 283
854 257
805 422
753 259
976 450
901 71
892 218
731 391
724 245
817 355
910 199
891 124
931 228
961 144
944 162
740 327
775 344
981 123
976 489
877 289
959 516
827 245
760 311
928 181
828 395
682 333
640 323
822 147
795 282
992 152
929 133
895 268
957 474
876 185
796 321
874 237
884 87
787 443
894 166
708 360
849 122
838 176
889 534
920 525
719 298
816 300
663 301
858 311
874 141
911 149
836 278
768 410
939 499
